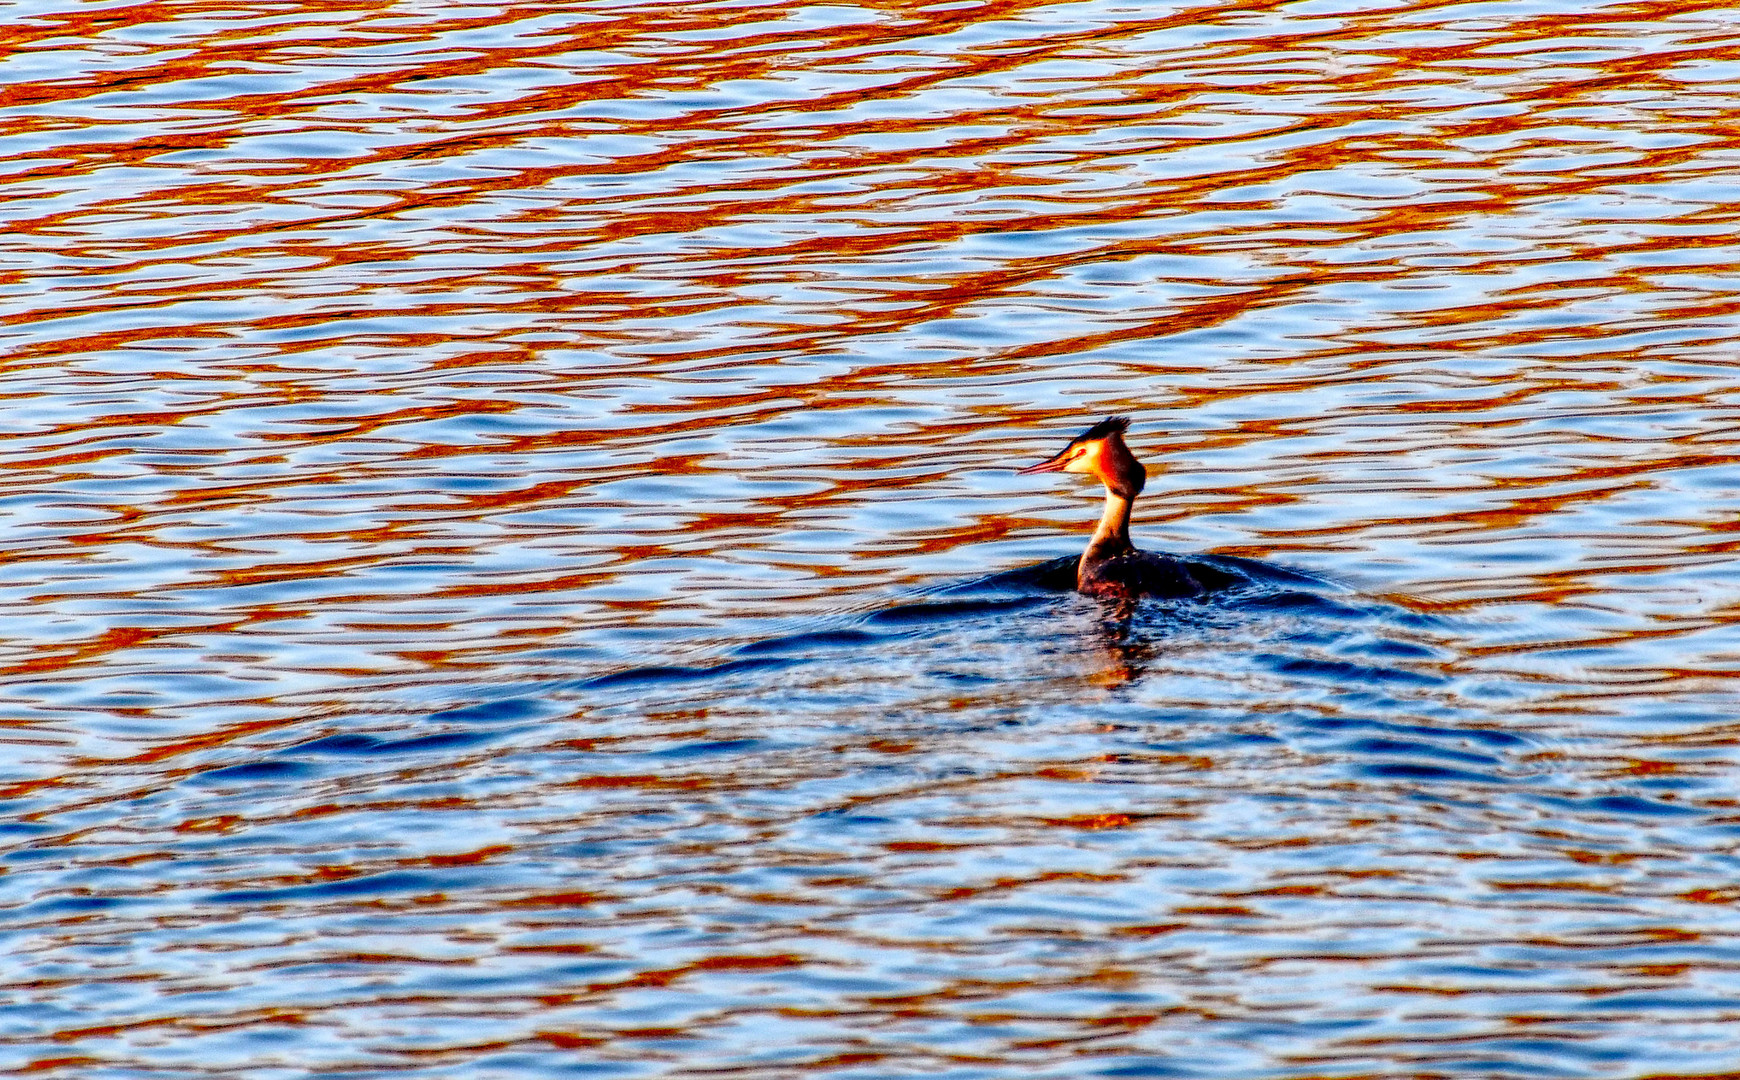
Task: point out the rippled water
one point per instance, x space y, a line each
512 566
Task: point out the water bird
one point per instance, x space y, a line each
1112 568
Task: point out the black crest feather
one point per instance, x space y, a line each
1111 425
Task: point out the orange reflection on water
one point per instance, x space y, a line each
386 382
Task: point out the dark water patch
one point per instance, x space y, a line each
24 828
1724 1007
25 854
1236 568
258 770
1399 746
1291 601
1154 1068
384 884
673 673
1565 1048
966 677
1391 649
1052 575
849 816
963 608
374 746
810 640
1435 773
1343 671
944 610
1490 1065
1626 806
493 712
707 749
70 905
1487 736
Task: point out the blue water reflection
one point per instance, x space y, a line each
514 565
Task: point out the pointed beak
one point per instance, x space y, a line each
1054 465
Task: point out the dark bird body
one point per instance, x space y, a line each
1112 568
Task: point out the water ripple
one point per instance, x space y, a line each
513 565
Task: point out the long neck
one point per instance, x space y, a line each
1112 537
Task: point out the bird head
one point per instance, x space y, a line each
1100 452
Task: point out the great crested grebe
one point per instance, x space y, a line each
1111 567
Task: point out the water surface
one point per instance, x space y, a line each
513 566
